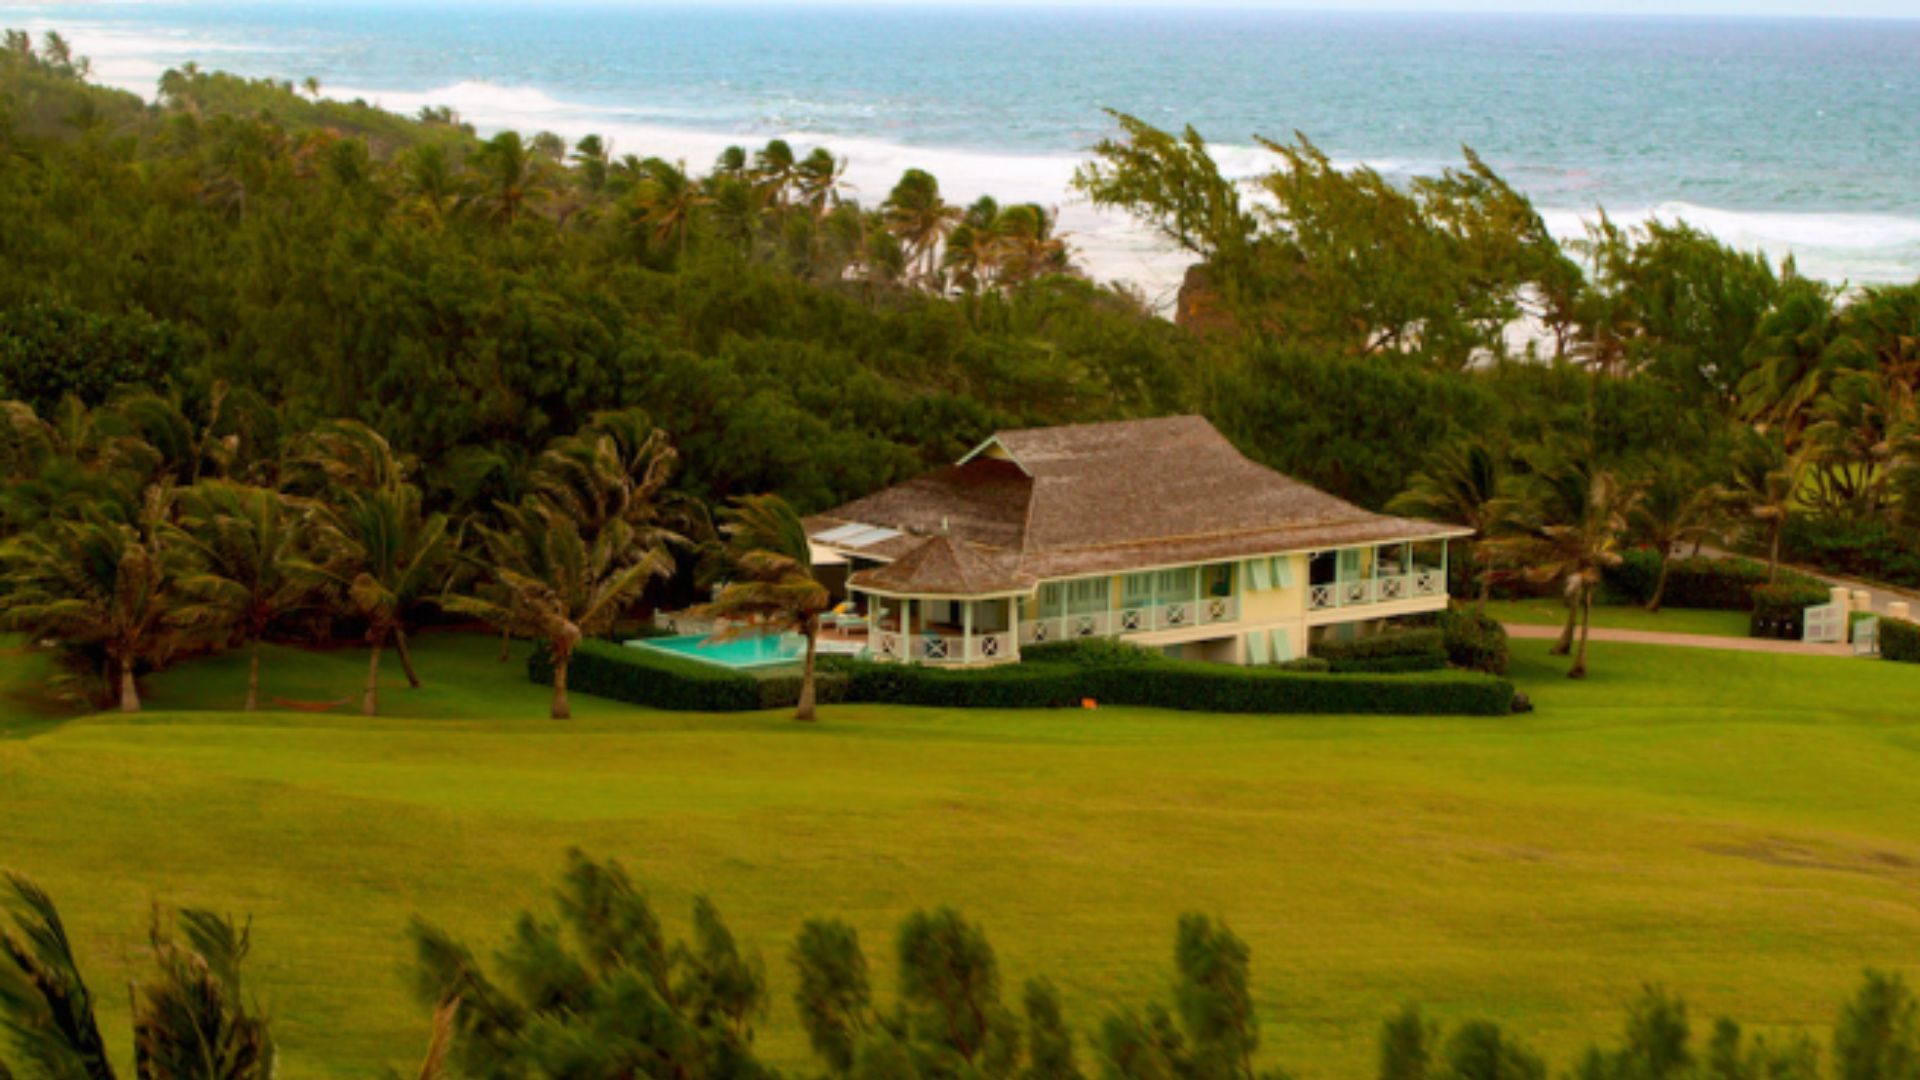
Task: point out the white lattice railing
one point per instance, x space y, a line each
942 648
1133 619
1388 589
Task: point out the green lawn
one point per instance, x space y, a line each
1625 617
1742 827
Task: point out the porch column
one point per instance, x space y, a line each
906 629
966 631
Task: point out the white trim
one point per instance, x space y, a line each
994 440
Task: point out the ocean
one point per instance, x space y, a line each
1794 136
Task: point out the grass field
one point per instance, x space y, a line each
1744 828
1625 617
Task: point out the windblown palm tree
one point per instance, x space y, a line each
1026 245
1568 525
776 171
547 580
514 176
665 204
248 569
1674 508
772 589
920 218
192 1020
1792 358
380 555
432 182
1762 490
1461 484
614 469
89 582
820 177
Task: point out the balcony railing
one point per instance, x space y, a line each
929 648
1136 619
1387 589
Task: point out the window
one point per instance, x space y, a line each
1137 590
1052 600
1217 580
1088 595
1176 584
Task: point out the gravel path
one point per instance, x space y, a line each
1686 641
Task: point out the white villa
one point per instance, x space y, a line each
1154 531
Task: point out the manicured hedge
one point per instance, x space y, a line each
1050 676
1780 611
1870 549
1387 652
1474 640
1714 584
646 677
1900 640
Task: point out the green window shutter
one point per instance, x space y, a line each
1257 647
1258 578
1282 646
1282 572
1350 564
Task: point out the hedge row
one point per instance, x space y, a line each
1870 549
1780 611
1716 584
1049 677
1900 640
1386 653
648 677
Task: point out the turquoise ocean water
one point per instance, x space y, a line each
1797 136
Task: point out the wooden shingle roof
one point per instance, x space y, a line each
1050 503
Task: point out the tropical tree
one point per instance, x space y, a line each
248 568
772 588
1567 525
379 554
820 177
1461 484
547 580
92 583
192 1020
1762 489
916 214
665 203
615 469
514 176
1675 508
775 170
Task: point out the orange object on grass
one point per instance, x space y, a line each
1089 703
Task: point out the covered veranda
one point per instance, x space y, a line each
945 602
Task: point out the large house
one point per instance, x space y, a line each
1154 531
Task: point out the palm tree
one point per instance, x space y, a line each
550 581
248 565
193 1019
971 251
1025 245
1763 488
773 589
1461 484
820 177
1675 508
514 176
311 85
614 469
1567 525
89 582
776 171
1792 358
665 204
432 183
380 555
593 155
916 214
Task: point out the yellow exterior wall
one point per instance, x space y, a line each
1275 605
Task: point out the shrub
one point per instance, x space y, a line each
645 677
1714 584
1870 549
1386 653
1900 640
1779 611
1474 640
1050 676
1304 663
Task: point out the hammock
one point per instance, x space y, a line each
310 706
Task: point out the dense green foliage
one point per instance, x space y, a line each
1870 549
1474 641
1779 611
1900 640
658 680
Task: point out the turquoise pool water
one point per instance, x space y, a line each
765 651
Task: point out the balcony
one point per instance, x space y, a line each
1139 619
1386 589
938 648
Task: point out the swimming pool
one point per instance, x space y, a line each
767 650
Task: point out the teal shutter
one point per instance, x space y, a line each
1283 572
